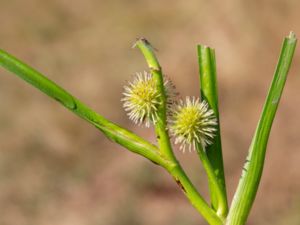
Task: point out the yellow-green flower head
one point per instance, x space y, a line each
193 123
142 98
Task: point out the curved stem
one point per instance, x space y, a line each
162 135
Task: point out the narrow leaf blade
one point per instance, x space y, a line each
114 132
209 93
249 182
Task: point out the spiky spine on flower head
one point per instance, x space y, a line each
192 123
142 98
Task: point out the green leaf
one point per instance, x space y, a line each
114 132
209 93
253 168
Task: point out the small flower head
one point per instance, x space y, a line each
193 123
142 98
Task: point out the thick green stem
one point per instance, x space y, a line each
213 179
193 195
114 132
253 168
209 93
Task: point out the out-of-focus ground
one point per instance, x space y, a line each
57 169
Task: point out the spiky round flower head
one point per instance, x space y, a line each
142 98
193 123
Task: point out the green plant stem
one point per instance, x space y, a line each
248 185
193 195
222 202
162 135
209 93
164 140
114 132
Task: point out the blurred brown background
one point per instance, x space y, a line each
57 169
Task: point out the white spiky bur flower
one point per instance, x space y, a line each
193 122
142 98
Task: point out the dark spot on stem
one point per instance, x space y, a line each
154 162
74 106
144 40
180 185
69 104
153 69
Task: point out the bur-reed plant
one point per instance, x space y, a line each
150 99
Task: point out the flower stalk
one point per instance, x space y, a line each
162 135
